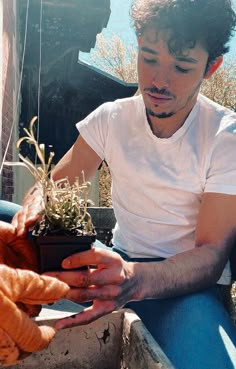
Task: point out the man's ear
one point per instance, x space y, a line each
212 68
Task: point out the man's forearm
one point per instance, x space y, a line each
184 273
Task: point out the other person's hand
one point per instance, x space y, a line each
18 252
30 211
22 291
19 335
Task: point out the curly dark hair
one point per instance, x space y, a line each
211 22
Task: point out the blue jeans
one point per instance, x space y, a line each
195 331
8 210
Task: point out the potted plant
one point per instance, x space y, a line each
65 225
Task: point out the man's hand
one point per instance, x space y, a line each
19 335
110 284
113 282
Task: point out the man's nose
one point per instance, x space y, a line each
161 78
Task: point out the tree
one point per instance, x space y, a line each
221 87
116 58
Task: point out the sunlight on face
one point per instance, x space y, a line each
169 83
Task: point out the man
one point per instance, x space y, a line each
171 157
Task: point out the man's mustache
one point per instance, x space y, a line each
163 91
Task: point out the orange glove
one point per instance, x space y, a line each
19 335
18 252
15 251
22 291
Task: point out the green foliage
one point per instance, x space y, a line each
64 204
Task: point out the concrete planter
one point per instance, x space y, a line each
116 341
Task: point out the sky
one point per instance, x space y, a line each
120 24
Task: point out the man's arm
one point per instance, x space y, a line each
81 157
114 282
201 267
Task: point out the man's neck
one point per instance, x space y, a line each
166 127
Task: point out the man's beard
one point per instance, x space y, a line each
159 115
164 92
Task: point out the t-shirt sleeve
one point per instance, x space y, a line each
94 129
221 172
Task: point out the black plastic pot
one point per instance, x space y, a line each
53 249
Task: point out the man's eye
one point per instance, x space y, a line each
149 61
182 70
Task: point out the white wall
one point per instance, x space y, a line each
23 182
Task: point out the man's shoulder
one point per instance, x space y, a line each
209 105
126 105
217 115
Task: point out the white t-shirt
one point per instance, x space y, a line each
157 183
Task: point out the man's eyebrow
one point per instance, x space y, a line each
147 50
180 58
186 59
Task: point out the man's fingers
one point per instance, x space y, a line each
89 277
95 256
98 309
108 292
